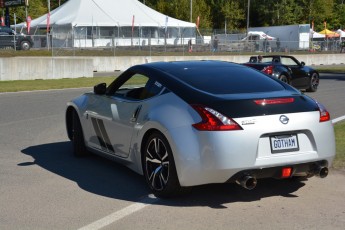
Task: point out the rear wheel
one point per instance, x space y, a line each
313 82
159 167
79 148
283 78
25 45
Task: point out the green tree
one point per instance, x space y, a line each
35 9
214 13
339 19
233 15
180 9
319 11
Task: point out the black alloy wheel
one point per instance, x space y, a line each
159 167
313 83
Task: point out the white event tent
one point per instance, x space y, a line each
99 23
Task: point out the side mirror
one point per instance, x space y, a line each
100 89
303 63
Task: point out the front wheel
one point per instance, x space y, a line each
313 83
159 167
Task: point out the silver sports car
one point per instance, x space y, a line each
182 124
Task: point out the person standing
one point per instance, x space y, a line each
278 44
190 47
342 45
215 44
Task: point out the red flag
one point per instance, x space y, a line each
48 22
2 21
28 24
312 25
197 22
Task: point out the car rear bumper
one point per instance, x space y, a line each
305 169
219 157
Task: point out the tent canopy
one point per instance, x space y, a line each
329 33
341 33
76 13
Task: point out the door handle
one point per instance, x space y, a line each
136 114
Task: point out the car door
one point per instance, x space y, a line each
298 75
112 118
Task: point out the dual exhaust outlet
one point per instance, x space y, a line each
249 182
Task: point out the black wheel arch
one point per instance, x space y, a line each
69 120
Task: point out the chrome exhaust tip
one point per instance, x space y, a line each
247 182
321 171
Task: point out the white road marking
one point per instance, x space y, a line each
118 215
338 119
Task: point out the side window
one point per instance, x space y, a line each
139 87
288 61
135 81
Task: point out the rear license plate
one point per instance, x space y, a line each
284 143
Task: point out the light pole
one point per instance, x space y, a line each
191 10
248 16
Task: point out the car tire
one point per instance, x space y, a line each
313 83
25 45
283 78
79 148
159 167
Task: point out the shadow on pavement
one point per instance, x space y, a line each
333 76
107 178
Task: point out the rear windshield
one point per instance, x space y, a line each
228 80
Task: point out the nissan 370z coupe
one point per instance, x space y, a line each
182 124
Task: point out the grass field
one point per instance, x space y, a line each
29 85
339 130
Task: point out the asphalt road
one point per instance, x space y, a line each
42 186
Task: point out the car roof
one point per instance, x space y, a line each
216 77
213 78
218 84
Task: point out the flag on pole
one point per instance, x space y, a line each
133 24
2 21
166 23
48 22
48 17
28 24
312 25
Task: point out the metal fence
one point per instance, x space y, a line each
212 44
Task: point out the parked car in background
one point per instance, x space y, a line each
287 69
183 124
9 38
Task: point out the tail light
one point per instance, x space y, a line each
274 101
213 120
324 114
268 70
